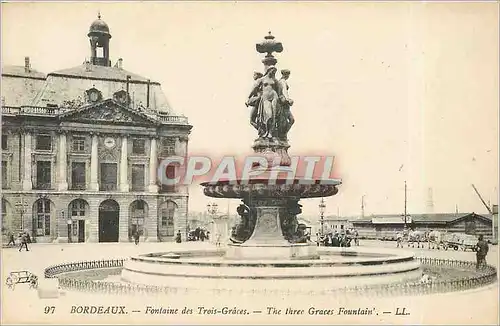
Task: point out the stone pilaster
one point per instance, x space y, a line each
151 223
123 226
124 183
93 217
94 163
27 182
62 162
153 180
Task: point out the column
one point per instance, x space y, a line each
62 160
153 180
124 184
27 183
94 161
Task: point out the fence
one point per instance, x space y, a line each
487 275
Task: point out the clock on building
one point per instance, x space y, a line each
109 142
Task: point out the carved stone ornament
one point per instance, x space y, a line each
93 95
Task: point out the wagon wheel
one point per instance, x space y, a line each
10 283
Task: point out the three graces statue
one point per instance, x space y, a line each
270 104
269 100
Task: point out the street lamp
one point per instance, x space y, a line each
69 222
212 208
322 208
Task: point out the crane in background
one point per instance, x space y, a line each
482 200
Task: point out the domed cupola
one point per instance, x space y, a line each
99 42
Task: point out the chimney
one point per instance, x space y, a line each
119 64
147 96
27 67
128 88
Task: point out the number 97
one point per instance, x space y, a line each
49 309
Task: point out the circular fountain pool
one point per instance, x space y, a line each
210 269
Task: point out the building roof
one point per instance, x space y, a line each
20 85
21 71
419 218
88 71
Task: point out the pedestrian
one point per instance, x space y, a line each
481 252
11 239
136 238
24 242
178 237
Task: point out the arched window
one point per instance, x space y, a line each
77 208
138 215
167 217
42 217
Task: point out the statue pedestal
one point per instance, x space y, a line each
267 241
220 227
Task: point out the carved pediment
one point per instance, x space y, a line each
109 112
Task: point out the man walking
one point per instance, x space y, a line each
11 239
24 242
481 252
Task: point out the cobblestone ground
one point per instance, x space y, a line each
22 305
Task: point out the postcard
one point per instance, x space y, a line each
245 162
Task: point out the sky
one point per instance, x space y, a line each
396 91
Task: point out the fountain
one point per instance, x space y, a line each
268 250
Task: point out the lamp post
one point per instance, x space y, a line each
69 222
22 207
212 208
322 208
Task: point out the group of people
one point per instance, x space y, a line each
198 234
24 239
336 239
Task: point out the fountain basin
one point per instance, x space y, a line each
212 270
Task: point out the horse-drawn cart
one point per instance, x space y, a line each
460 241
21 277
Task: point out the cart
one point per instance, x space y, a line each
21 277
460 241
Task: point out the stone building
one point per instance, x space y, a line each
81 148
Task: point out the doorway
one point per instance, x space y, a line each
81 230
109 212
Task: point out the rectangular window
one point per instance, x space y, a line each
5 179
167 147
138 146
44 142
4 143
78 181
108 178
138 177
170 174
43 175
78 144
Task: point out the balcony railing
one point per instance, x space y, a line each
107 187
43 186
172 119
78 186
31 110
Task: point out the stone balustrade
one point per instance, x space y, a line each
53 111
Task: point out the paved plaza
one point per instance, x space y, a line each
477 306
